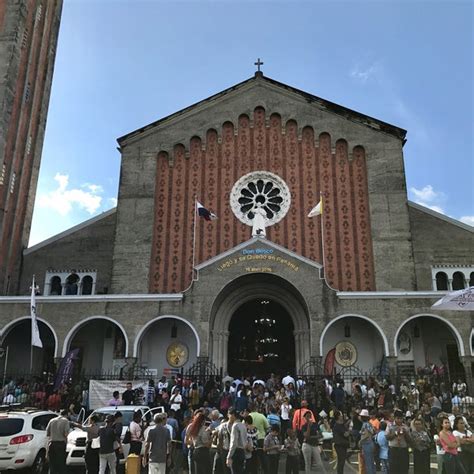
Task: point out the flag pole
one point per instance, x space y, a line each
194 237
5 365
322 236
32 329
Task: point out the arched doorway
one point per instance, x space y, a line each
102 346
17 337
364 344
429 345
261 340
286 302
166 345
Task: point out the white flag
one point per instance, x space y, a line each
35 335
461 300
317 210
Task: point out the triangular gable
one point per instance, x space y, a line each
260 79
263 243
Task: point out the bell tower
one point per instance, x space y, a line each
28 38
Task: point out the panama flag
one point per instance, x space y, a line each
317 210
35 335
203 212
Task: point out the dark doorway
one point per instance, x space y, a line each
18 341
261 340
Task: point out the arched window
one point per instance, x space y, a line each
458 281
55 287
87 285
71 284
471 279
441 281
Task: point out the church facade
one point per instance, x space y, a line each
263 288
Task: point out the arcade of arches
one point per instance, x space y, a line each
256 333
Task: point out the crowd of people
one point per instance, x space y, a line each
254 425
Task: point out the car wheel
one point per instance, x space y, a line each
38 464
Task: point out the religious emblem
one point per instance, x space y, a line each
404 343
260 199
177 354
346 354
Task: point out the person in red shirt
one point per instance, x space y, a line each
54 401
298 417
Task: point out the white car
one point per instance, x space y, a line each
23 439
77 439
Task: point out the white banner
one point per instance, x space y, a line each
35 335
100 391
461 300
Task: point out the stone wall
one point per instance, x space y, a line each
88 247
438 242
200 153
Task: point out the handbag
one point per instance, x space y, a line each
95 443
127 438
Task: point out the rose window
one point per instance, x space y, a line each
260 188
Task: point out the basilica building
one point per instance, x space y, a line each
210 256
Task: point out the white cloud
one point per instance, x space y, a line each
93 188
426 194
363 74
63 200
112 202
469 220
428 197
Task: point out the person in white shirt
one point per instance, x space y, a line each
9 399
285 409
176 399
287 380
238 443
136 434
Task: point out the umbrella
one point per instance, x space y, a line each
461 300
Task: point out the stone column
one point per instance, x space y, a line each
298 349
219 348
392 368
63 288
467 362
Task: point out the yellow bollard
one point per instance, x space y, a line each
361 463
133 464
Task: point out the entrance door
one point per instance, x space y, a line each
261 340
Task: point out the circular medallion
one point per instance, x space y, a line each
346 354
260 188
177 354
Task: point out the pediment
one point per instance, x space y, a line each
259 253
243 98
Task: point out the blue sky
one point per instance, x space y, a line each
123 64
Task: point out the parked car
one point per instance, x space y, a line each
23 440
77 439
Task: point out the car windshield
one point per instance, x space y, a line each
127 416
11 426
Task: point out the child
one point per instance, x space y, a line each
293 450
272 448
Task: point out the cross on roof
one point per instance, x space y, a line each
258 64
